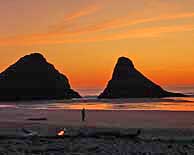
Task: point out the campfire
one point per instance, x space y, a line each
61 132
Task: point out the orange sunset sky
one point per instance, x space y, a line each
84 38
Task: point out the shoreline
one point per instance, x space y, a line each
133 104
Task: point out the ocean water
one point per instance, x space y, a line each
90 102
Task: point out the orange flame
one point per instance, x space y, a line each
61 133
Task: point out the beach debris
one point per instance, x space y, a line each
134 135
62 132
170 147
29 133
115 134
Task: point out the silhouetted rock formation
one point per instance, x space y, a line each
127 82
33 78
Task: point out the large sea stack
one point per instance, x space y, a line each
33 78
128 82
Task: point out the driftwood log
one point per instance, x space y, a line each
37 119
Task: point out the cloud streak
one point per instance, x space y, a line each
114 24
120 23
72 17
82 13
150 32
124 22
77 34
134 34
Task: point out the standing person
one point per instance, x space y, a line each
83 113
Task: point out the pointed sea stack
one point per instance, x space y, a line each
33 78
128 82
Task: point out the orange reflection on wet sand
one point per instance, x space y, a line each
94 106
167 104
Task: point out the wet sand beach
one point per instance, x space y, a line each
162 132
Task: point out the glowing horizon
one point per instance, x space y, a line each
84 39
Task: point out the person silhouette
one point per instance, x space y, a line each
83 114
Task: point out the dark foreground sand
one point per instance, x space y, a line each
91 146
162 132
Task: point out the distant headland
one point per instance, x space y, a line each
128 82
33 78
